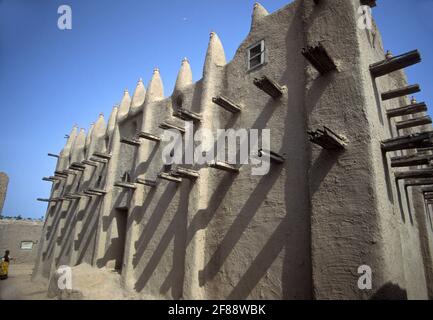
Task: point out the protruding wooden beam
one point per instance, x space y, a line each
72 196
400 92
414 174
43 200
60 174
95 159
269 86
273 156
169 177
53 155
187 115
370 3
223 166
90 193
412 141
319 58
411 160
83 195
130 141
106 156
78 165
89 163
126 185
428 196
149 136
415 122
51 179
424 150
96 190
69 171
170 126
185 173
227 104
327 139
427 190
387 66
407 110
418 182
146 182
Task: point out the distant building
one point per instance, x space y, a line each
347 191
22 238
4 180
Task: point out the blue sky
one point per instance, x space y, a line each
51 79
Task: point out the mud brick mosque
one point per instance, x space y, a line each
350 182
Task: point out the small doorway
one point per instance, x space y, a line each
120 225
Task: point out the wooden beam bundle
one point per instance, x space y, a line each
102 155
96 190
269 86
94 159
89 163
415 122
170 126
273 156
226 104
223 166
60 174
327 139
186 173
130 141
187 115
400 92
387 66
411 160
148 136
146 182
407 110
169 177
53 155
414 174
126 185
418 182
319 58
412 141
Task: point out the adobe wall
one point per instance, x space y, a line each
299 232
4 180
13 232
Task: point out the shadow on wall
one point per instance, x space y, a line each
390 291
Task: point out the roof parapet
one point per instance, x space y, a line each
258 13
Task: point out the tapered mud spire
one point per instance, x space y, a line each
138 97
63 162
258 13
155 89
184 77
124 106
215 55
89 136
112 121
98 134
77 153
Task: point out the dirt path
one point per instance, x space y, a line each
18 286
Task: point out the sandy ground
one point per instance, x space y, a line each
87 284
18 286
